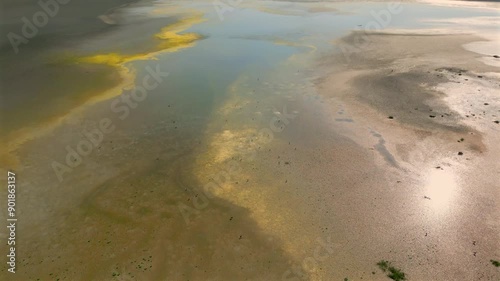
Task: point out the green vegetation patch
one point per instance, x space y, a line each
392 272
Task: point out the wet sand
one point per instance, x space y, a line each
427 107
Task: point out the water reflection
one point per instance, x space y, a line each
441 188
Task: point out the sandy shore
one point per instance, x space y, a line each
428 110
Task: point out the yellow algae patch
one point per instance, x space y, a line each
171 37
250 185
238 143
113 59
234 143
257 195
170 41
172 30
34 121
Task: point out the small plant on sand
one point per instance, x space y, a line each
396 274
495 263
392 272
383 265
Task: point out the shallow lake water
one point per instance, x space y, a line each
197 180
